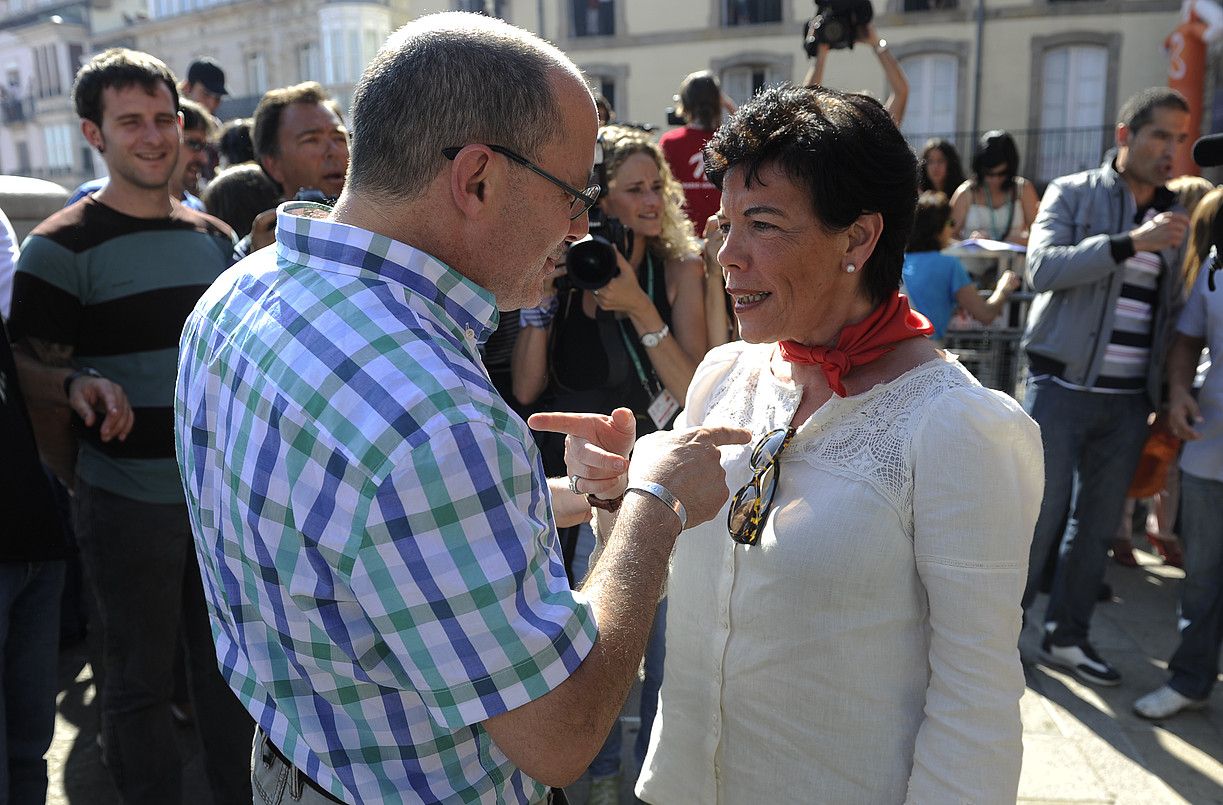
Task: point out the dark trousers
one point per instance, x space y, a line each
140 561
1092 443
29 648
1195 665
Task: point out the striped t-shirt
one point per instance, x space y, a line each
1127 354
117 289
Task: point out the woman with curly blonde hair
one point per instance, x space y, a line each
636 341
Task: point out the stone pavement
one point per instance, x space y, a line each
1082 744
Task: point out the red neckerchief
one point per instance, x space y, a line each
873 337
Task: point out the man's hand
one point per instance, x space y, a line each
713 242
1166 230
91 396
1183 414
1008 283
596 448
689 464
263 230
623 293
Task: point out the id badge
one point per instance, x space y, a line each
663 409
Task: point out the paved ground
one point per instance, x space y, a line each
1081 744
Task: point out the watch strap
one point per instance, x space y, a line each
655 338
606 504
83 371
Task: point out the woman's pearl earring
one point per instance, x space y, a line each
851 268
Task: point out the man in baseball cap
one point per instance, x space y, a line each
205 83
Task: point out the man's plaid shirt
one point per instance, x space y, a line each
371 519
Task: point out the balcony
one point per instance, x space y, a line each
14 110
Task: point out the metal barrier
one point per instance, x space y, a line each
991 352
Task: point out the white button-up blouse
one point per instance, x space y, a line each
864 651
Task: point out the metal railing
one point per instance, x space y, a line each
1044 154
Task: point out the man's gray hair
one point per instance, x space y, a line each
446 80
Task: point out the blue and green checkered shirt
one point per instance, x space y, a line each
371 519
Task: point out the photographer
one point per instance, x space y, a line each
634 342
847 24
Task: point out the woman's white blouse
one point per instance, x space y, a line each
864 651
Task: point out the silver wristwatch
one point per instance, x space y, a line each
652 340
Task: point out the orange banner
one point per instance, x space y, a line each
1186 48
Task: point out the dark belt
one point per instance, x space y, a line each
305 778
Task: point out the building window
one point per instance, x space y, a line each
76 57
929 5
489 8
750 12
742 81
308 62
605 85
933 90
1072 112
256 74
594 17
58 140
347 51
24 167
169 8
46 71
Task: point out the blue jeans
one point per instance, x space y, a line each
607 761
29 640
1092 443
139 559
1195 665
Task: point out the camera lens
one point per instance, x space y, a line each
591 263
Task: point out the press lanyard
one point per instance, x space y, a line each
993 224
628 343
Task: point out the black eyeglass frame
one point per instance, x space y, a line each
762 502
585 199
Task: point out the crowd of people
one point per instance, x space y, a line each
398 478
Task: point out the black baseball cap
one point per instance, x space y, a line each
207 72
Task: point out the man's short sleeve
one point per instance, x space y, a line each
461 577
1192 321
958 275
47 293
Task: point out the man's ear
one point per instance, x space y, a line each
863 234
93 135
473 174
271 166
1123 135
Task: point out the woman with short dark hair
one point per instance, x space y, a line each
938 283
853 638
996 203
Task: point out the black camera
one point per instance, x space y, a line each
837 24
591 262
674 118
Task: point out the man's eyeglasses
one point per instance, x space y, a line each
582 201
195 145
751 504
